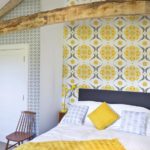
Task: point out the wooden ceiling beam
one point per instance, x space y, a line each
9 6
77 12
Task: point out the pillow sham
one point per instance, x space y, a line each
75 115
148 127
103 116
120 107
134 122
92 106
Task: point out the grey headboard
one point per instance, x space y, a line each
115 97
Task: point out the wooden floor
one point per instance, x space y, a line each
2 146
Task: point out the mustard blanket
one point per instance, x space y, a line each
113 144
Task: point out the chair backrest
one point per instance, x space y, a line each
26 122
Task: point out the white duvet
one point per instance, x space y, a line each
78 133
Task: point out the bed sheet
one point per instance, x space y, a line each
79 133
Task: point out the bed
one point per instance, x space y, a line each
130 141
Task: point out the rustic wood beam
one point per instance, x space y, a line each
9 6
77 12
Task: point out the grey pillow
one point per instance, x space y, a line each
75 115
134 122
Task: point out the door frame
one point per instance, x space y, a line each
25 48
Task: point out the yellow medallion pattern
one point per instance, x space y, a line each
84 52
132 73
65 52
84 86
110 54
132 33
84 32
107 52
65 71
84 72
132 53
108 87
132 88
107 32
66 32
107 72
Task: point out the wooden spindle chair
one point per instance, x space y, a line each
25 129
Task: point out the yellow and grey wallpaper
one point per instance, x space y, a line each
111 54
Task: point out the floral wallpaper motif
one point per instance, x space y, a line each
112 54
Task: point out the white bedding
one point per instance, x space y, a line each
69 133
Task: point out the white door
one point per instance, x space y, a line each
13 87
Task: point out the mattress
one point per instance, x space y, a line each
82 133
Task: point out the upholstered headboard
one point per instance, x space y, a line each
116 97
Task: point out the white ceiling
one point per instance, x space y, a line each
3 2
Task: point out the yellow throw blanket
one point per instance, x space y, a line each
113 144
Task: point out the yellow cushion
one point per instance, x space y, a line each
103 116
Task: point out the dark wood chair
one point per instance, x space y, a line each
25 129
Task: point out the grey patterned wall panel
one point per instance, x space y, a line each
31 37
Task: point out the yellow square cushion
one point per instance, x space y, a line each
103 116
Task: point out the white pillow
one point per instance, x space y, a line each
120 107
134 122
75 115
148 127
92 106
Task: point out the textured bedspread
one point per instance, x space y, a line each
113 144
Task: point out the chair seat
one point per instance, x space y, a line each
18 136
25 129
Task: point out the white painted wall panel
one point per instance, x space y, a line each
51 69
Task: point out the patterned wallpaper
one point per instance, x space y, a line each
32 37
111 54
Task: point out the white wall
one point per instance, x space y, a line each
32 38
51 69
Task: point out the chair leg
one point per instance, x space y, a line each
30 138
6 148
